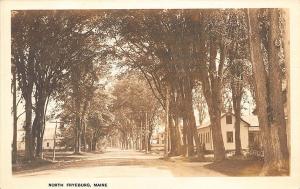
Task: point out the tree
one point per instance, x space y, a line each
94 126
47 46
207 45
135 109
99 118
79 94
15 118
237 72
71 35
268 89
24 58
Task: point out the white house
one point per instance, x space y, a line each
248 128
48 139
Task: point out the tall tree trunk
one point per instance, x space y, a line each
179 135
166 134
147 139
189 137
29 140
177 142
38 123
192 121
27 94
77 132
150 135
187 128
237 92
218 144
83 124
211 83
173 149
213 99
76 97
174 137
276 98
184 138
94 142
15 118
26 75
269 96
237 124
44 122
91 143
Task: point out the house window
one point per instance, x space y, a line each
229 137
47 144
228 119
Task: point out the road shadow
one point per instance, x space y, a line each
38 166
237 167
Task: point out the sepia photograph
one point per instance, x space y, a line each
131 93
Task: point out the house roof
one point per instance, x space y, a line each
250 120
205 124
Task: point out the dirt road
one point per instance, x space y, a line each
122 163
